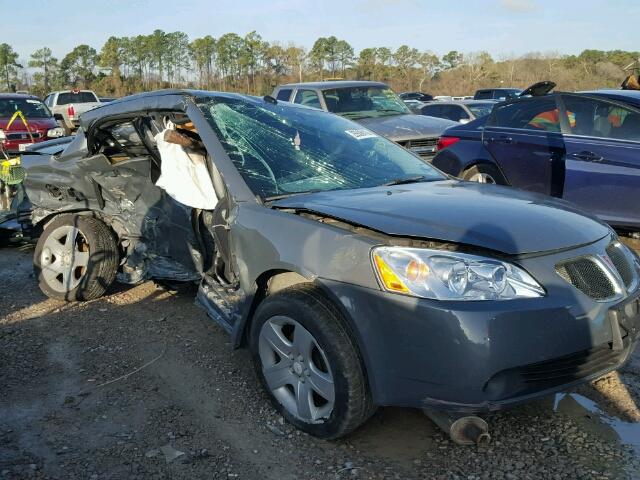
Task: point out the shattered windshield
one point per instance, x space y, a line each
362 102
283 149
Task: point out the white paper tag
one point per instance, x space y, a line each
360 133
23 146
36 102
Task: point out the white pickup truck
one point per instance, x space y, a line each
68 105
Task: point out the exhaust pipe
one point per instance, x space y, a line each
463 430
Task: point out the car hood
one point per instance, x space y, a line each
406 127
487 216
34 124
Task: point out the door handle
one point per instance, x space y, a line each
587 156
501 139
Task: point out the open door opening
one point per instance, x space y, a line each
190 176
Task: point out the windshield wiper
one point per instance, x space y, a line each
353 115
403 181
273 198
391 110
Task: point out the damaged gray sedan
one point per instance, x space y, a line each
357 274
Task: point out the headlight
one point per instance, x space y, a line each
443 275
56 132
3 137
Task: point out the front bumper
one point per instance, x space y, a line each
13 146
481 356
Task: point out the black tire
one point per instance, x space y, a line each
483 169
315 312
103 259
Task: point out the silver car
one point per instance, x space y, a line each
458 111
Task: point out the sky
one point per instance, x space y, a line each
504 28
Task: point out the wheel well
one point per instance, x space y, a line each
39 227
42 223
487 163
267 283
274 281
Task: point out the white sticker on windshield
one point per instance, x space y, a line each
33 101
360 133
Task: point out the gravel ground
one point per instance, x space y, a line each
141 385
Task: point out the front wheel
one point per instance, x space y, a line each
483 174
76 258
308 363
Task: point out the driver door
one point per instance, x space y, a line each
525 140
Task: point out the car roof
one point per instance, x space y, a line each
633 94
168 99
18 95
460 102
70 90
498 89
334 84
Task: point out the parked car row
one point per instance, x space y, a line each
372 104
25 119
357 274
581 147
18 109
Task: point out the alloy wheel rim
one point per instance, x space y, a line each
482 178
296 369
64 258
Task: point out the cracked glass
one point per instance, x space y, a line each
284 149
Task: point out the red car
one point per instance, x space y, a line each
40 122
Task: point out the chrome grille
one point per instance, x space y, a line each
622 263
425 147
588 276
21 135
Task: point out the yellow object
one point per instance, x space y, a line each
21 116
390 280
11 171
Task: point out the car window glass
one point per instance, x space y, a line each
480 109
433 110
47 100
484 95
365 101
453 112
121 142
66 98
284 95
308 98
539 114
599 118
29 107
281 150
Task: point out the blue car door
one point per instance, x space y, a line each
602 138
525 140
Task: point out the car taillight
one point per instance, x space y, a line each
444 142
71 112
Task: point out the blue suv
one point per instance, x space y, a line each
582 147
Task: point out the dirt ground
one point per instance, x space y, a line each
142 385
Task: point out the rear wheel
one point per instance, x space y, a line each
308 363
482 173
76 258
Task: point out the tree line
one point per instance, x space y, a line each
249 64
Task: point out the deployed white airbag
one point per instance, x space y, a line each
184 175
